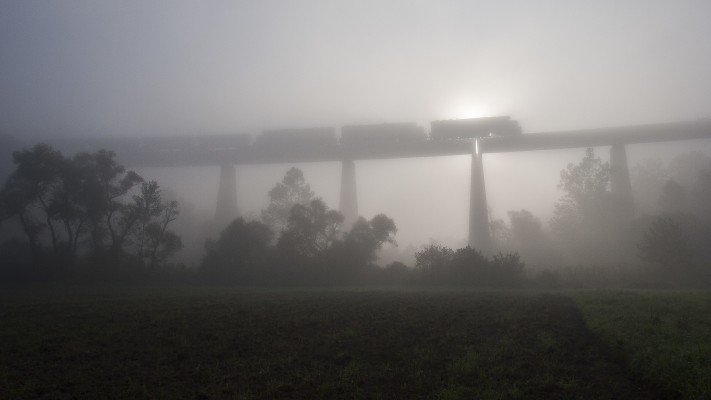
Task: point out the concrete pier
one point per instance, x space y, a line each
620 183
349 195
226 210
479 235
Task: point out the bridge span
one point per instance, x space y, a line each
408 141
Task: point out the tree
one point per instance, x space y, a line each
86 196
530 240
648 177
585 187
311 230
665 245
292 190
161 242
242 246
702 194
673 198
685 167
69 204
365 238
587 220
15 200
33 185
507 269
526 229
585 184
468 266
46 193
111 220
433 258
145 207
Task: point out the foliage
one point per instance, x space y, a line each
684 168
507 268
589 223
702 194
525 227
585 188
311 249
365 238
673 198
108 185
648 177
315 242
530 240
160 242
242 247
586 182
87 205
666 246
292 190
467 266
36 193
312 229
433 258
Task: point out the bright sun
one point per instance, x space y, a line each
467 109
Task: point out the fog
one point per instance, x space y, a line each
88 69
427 197
132 68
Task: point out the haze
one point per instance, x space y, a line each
130 68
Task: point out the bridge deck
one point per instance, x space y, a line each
129 152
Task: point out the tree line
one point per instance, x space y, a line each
595 238
90 216
300 241
83 211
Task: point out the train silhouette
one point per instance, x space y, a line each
352 138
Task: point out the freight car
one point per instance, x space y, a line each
453 129
391 133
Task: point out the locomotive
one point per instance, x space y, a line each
453 129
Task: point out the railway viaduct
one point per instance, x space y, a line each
320 144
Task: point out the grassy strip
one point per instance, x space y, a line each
663 337
301 344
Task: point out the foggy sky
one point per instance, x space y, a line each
172 67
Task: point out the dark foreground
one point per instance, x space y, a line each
200 343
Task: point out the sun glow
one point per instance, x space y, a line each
467 109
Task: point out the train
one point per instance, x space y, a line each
455 129
354 137
319 136
387 133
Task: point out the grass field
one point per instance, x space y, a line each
228 343
663 337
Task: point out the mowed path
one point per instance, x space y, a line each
303 344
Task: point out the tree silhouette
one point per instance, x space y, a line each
15 200
292 190
530 240
161 242
588 221
702 194
70 199
311 229
665 245
673 198
35 183
111 220
433 258
585 186
241 246
362 242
